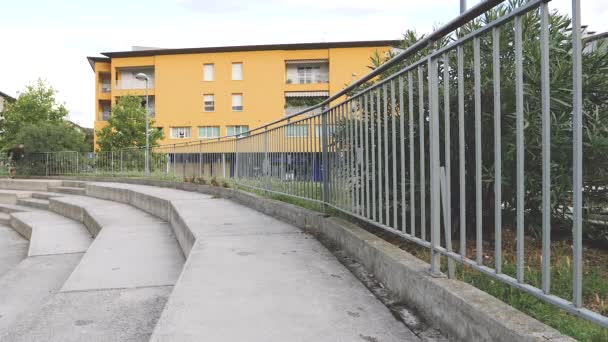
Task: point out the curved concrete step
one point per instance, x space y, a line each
13 248
11 196
5 218
67 190
120 286
46 195
34 203
50 233
74 184
132 248
13 208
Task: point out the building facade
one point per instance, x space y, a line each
204 93
4 100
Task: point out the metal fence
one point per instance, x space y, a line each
400 147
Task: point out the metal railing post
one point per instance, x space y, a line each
435 166
47 164
223 164
265 163
325 167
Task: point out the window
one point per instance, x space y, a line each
237 71
241 130
209 101
208 132
181 132
305 74
296 131
237 102
209 72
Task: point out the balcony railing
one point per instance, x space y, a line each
106 87
133 84
319 78
298 109
105 115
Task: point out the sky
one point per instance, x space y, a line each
51 39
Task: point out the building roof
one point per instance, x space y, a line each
298 46
6 96
93 60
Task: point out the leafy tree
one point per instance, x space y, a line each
595 120
127 126
36 104
51 137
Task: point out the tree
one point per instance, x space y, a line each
127 126
35 105
595 121
51 137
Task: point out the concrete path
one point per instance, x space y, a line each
13 249
28 286
250 277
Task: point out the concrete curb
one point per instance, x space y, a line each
460 310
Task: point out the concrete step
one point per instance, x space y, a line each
132 249
119 288
46 195
50 233
13 248
29 285
68 190
74 184
5 219
11 196
13 208
34 203
29 184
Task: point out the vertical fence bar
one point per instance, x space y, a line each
461 155
421 120
379 115
368 146
402 148
325 174
497 152
447 152
433 86
478 181
577 134
412 175
372 146
546 146
393 113
519 137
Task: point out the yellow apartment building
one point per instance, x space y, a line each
204 93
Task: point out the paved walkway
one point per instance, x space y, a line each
251 277
248 277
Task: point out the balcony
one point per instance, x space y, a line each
296 109
307 71
105 115
128 84
126 78
105 87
